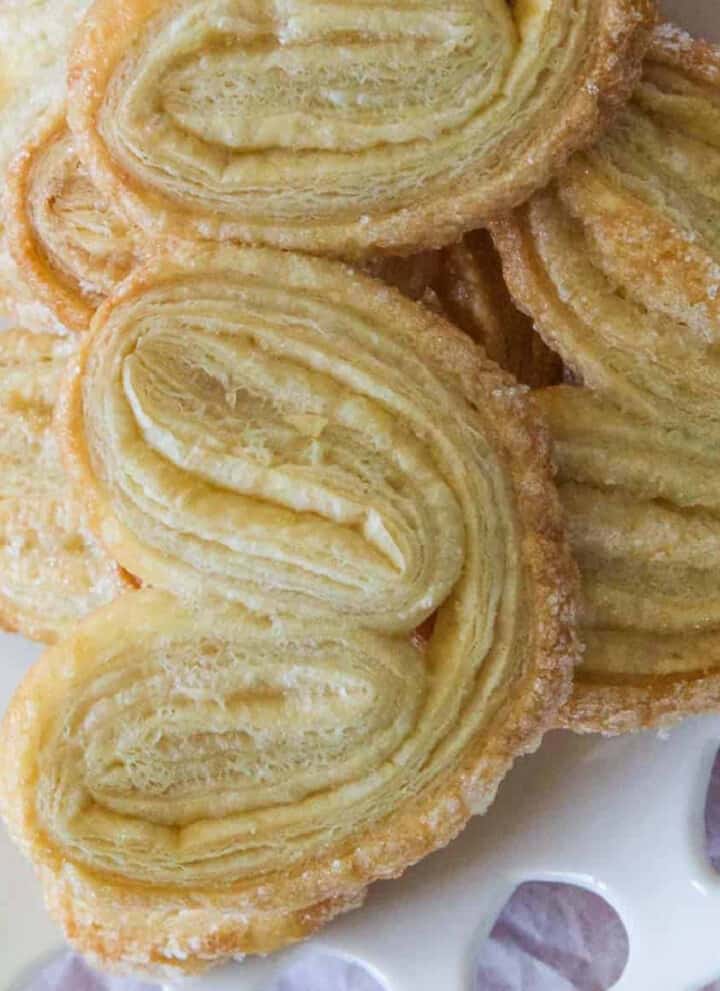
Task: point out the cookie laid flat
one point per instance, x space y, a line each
618 262
363 608
643 510
465 283
52 571
342 128
35 37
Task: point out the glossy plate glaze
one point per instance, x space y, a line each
622 817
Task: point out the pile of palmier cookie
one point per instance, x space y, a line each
358 425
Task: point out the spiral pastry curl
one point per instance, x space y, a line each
619 261
69 245
52 571
35 37
367 608
643 509
619 265
342 127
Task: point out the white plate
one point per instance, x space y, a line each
623 817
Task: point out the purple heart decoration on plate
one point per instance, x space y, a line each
553 937
319 971
712 815
69 972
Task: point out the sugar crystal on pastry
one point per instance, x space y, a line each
362 613
35 37
52 571
69 244
340 128
643 510
618 263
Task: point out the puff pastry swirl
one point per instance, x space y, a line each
35 36
372 609
619 261
342 127
69 244
619 264
52 571
643 509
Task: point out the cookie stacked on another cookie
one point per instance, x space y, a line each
363 608
618 262
359 601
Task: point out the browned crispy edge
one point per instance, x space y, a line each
628 707
595 706
425 823
33 266
110 25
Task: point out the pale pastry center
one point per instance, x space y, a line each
643 514
85 240
631 242
235 754
284 111
270 444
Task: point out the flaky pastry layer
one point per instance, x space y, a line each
368 609
69 244
35 36
52 571
341 128
618 262
643 511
